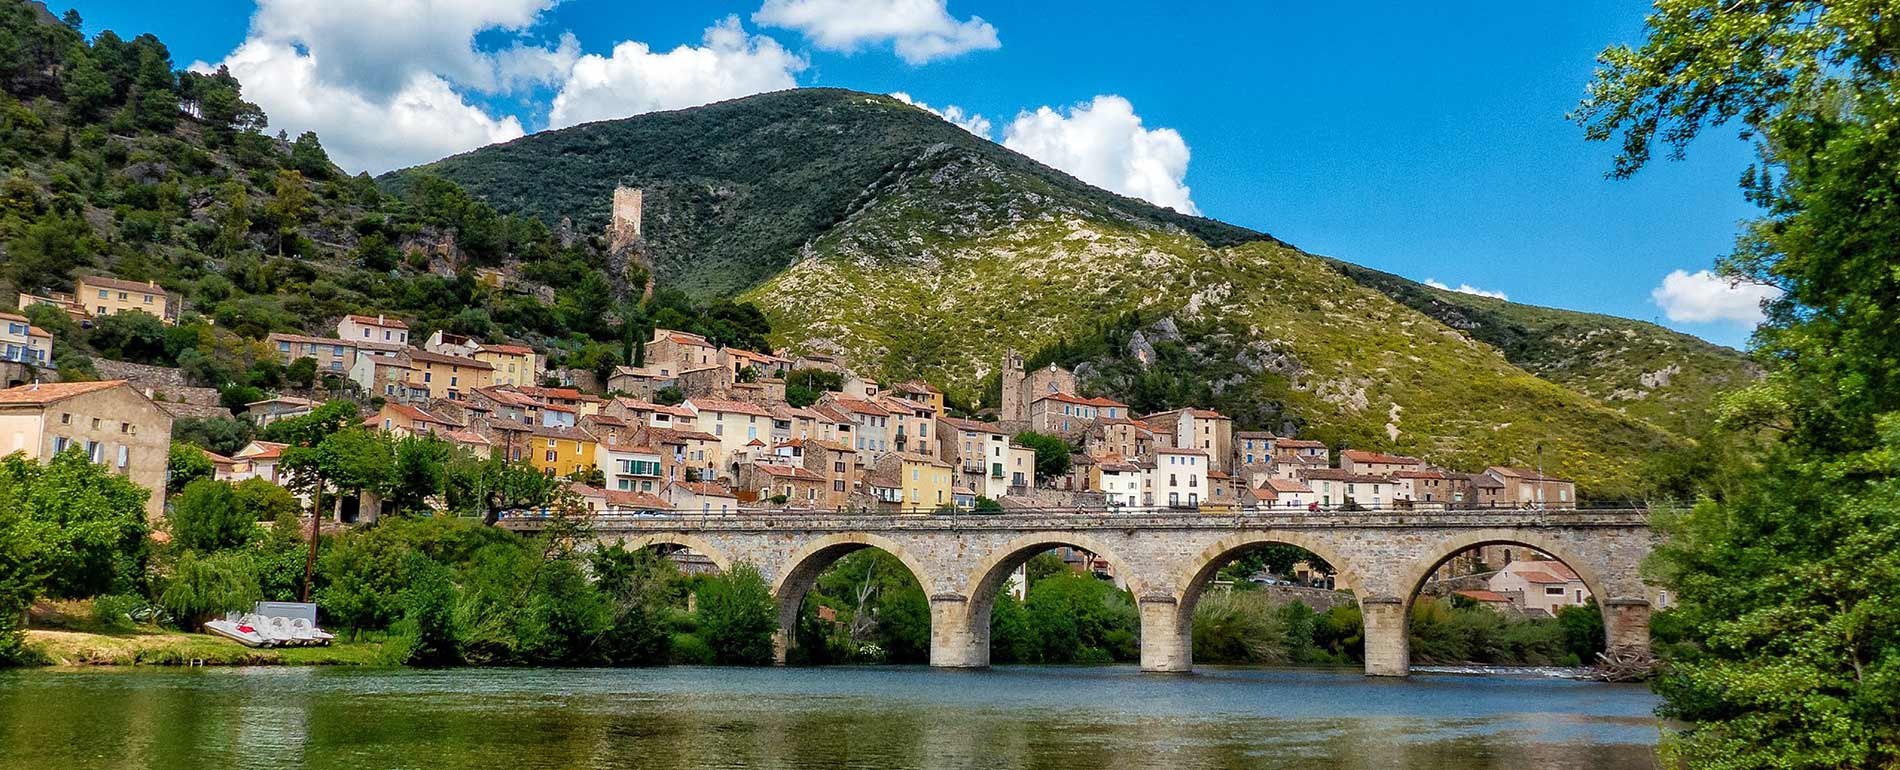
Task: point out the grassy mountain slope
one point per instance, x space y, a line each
734 189
1663 376
939 290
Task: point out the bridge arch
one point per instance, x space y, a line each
960 623
1167 642
689 542
801 570
1619 596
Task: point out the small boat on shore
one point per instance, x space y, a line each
273 624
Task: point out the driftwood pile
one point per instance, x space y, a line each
1624 665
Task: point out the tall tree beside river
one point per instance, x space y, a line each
1790 581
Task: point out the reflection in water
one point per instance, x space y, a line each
814 718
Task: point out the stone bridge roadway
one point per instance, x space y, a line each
1166 559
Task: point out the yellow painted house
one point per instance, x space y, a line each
913 483
104 295
561 451
514 364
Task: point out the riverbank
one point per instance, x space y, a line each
159 647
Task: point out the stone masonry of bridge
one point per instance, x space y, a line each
1167 560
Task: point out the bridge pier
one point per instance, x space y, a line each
957 640
1387 639
1626 625
1167 639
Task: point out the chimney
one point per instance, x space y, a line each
379 319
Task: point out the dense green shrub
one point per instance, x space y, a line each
203 587
737 617
208 516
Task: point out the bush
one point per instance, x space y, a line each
203 587
737 617
207 517
14 650
114 613
428 623
1239 628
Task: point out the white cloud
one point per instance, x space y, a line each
1103 143
377 47
383 81
918 30
634 79
1465 288
971 122
423 120
1704 297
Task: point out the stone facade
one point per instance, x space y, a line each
1167 561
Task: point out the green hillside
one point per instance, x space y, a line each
734 189
1663 376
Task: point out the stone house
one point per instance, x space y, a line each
516 365
921 392
1376 463
1422 489
703 497
1180 477
834 463
1120 480
271 410
376 328
910 422
644 382
1065 413
630 467
871 426
1253 447
1118 436
676 351
115 424
1335 487
801 488
1541 586
1204 429
979 451
560 451
104 295
332 356
1292 449
22 342
392 377
446 376
1527 487
451 344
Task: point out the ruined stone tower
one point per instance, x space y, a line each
626 213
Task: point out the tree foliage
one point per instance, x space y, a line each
1785 578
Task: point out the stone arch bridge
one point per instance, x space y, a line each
1166 559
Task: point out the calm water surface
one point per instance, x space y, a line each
886 717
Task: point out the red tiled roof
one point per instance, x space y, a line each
704 488
859 406
1542 578
1287 485
429 356
1178 451
266 450
643 501
1483 596
1378 458
49 392
109 282
1336 474
731 407
512 350
385 321
1299 443
788 472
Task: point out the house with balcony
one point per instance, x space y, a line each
23 343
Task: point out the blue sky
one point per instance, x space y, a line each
1428 143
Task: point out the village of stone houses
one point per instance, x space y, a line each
701 430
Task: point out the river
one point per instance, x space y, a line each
871 717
